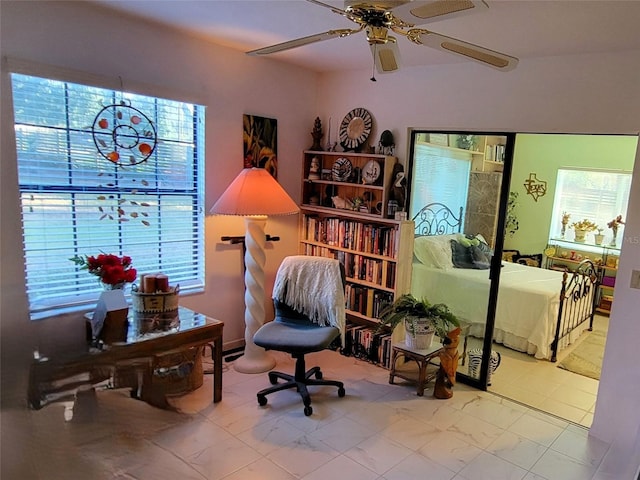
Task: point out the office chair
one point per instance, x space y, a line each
309 306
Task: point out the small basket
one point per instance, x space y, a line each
179 372
154 303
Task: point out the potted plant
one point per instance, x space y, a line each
598 237
581 228
422 320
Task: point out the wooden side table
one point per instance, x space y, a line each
421 357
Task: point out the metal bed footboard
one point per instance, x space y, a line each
577 302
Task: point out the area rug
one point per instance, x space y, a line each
586 358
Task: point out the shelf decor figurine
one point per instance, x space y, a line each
565 221
314 169
317 134
613 225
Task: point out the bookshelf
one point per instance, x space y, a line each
487 151
375 250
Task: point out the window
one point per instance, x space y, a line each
439 175
76 202
597 195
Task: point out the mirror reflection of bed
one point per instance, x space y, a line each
453 268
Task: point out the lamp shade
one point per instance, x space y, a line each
254 192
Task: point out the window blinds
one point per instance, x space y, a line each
439 175
597 195
76 202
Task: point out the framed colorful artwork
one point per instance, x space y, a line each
260 139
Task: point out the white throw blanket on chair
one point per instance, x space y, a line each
313 286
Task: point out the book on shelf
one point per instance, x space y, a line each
364 343
352 235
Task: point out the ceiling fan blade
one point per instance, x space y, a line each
386 56
420 12
497 60
330 7
318 37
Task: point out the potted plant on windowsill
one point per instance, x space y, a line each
422 320
581 228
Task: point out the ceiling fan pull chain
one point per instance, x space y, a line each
373 68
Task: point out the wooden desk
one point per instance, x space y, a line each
60 378
421 357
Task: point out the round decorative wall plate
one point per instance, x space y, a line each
355 128
341 170
550 251
371 172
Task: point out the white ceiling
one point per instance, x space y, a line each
520 28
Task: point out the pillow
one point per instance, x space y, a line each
486 249
480 258
533 260
510 255
467 240
434 250
461 255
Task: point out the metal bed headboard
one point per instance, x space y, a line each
437 219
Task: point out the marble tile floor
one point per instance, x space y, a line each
542 385
377 431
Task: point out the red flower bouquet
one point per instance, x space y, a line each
111 269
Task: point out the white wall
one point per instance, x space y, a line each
154 60
577 94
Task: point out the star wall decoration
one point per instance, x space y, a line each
536 188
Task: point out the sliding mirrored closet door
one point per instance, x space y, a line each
457 199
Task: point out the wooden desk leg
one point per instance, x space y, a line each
422 375
217 369
394 356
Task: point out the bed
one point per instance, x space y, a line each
538 311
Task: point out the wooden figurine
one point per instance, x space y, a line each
317 134
446 376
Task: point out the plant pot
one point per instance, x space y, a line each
598 238
419 333
579 235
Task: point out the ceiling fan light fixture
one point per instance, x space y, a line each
378 35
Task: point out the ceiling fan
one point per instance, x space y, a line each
378 17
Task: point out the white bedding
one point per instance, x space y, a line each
528 302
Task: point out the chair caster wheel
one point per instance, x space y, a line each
308 410
341 392
318 375
262 400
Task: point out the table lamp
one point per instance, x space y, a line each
255 195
